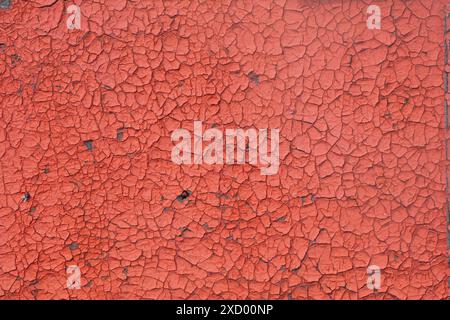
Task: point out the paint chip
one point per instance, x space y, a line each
89 144
73 246
184 195
26 197
253 77
119 134
5 4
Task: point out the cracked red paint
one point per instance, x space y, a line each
86 175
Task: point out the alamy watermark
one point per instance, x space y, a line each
374 18
239 144
73 277
74 19
373 277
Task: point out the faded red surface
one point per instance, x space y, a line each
362 173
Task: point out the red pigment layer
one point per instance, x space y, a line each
85 150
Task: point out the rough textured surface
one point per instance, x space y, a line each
86 177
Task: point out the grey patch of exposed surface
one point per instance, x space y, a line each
303 198
34 282
73 246
207 227
183 230
89 144
184 195
26 197
15 58
5 4
253 77
119 134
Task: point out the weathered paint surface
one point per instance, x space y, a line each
86 177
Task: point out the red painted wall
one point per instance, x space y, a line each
86 176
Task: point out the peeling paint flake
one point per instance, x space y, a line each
5 4
309 138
